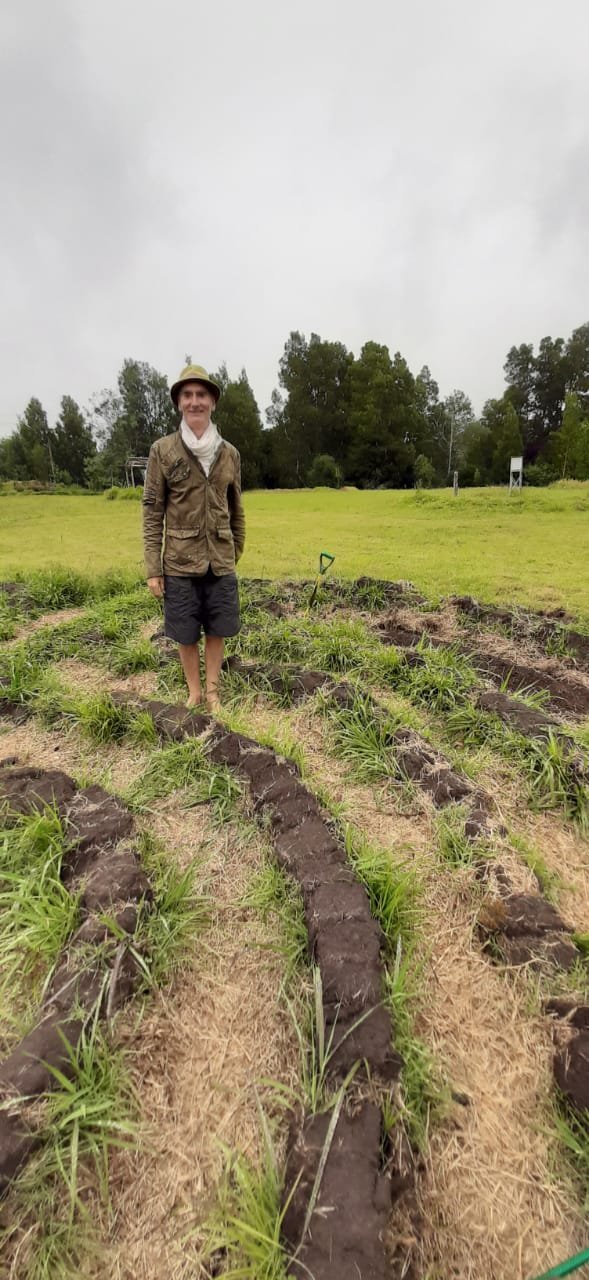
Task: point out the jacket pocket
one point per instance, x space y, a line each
181 544
177 472
224 532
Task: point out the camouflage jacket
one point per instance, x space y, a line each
204 517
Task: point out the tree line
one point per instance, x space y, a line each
335 418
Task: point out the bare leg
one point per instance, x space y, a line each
214 647
190 659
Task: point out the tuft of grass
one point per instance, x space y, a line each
453 845
362 740
141 730
274 893
549 881
246 1226
553 777
103 720
37 913
131 655
441 681
218 787
91 1112
168 928
169 769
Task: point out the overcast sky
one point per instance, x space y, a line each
188 177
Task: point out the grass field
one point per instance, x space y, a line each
531 548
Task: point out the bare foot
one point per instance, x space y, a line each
194 701
213 702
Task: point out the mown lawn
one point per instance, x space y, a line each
534 548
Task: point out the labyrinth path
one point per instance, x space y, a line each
302 990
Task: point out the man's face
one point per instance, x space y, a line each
196 404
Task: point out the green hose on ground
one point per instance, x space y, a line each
566 1268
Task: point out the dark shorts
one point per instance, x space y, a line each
200 603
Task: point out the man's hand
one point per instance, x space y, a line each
156 586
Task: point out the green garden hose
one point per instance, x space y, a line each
566 1268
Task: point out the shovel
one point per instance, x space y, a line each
325 563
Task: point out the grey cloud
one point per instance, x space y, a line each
205 178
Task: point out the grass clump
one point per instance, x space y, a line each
441 681
132 655
37 913
102 719
91 1111
168 928
169 769
247 1224
454 846
185 767
275 894
363 740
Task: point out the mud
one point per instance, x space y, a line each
97 968
344 939
571 1060
343 1238
22 790
571 1072
566 694
527 720
526 929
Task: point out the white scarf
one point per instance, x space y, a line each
206 447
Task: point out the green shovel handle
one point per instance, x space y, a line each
566 1268
328 561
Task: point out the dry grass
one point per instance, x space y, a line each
492 1205
114 767
200 1047
47 620
197 1055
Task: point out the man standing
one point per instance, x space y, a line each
193 483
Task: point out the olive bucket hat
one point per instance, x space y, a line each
194 373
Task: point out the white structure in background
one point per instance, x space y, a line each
516 471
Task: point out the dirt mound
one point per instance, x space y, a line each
566 693
96 968
527 929
342 1238
529 721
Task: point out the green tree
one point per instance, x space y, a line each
238 419
29 453
501 420
385 419
127 422
312 418
569 444
324 471
74 444
425 473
